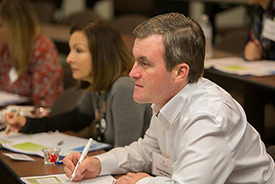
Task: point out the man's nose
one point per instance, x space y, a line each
134 71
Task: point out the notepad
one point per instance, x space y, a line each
10 98
21 157
34 143
237 65
61 178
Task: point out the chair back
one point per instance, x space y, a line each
82 16
125 24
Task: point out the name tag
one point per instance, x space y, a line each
268 29
161 165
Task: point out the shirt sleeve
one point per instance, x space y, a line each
72 120
135 158
47 74
75 119
201 158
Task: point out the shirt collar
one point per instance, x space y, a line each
173 107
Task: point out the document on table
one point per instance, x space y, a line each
10 98
34 143
61 178
237 65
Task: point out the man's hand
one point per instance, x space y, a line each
89 168
131 178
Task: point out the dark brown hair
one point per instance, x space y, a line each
184 41
110 57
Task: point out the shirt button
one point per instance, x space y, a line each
167 127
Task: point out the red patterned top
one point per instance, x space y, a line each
42 83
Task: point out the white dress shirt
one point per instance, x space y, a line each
204 131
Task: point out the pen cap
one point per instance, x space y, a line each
87 147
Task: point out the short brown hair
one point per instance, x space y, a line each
184 41
110 57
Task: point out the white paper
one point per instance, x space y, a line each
268 29
34 143
10 98
236 65
16 156
61 178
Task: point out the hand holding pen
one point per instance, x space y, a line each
78 167
253 49
14 122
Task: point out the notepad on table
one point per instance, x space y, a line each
61 178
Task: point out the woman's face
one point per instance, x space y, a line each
80 58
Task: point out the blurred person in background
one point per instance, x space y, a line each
106 112
261 42
29 64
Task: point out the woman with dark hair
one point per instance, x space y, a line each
107 111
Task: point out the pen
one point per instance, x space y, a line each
83 155
59 162
252 38
9 125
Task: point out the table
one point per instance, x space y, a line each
219 1
11 170
60 34
257 91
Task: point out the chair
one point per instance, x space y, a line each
125 24
271 150
142 7
44 10
82 16
232 41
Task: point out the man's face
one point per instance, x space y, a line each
153 83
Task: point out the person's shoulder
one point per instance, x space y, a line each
122 84
43 42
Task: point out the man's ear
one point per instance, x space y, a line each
181 71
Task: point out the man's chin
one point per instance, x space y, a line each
140 100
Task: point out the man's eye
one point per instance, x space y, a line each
144 63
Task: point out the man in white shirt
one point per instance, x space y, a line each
198 132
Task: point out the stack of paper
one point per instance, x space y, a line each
236 65
34 143
9 98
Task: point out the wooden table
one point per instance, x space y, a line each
11 170
257 91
